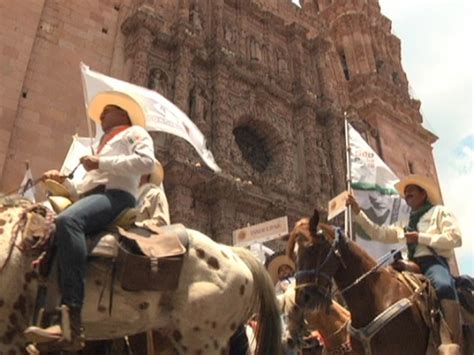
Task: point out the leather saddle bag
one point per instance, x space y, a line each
152 258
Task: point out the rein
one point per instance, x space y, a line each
38 180
381 261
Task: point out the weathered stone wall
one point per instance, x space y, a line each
267 82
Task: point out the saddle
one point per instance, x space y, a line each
145 258
464 283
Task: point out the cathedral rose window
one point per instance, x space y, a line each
253 148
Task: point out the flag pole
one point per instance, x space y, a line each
84 90
348 211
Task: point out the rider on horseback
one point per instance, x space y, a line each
110 185
431 235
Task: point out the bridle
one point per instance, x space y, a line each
327 269
321 277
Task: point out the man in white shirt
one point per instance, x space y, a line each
125 153
431 234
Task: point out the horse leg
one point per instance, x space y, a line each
452 317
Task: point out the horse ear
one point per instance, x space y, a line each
313 223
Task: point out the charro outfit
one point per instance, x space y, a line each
125 153
437 228
122 160
438 235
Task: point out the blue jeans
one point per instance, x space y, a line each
437 271
87 216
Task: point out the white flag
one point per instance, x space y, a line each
161 114
373 186
27 189
80 146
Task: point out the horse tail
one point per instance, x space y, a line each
269 322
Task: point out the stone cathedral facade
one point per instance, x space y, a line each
268 82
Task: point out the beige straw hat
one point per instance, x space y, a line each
274 263
117 98
427 184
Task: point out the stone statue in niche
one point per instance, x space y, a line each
158 81
195 18
282 65
229 34
199 109
198 104
255 50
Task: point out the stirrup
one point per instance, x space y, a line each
37 334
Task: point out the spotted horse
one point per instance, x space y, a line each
220 287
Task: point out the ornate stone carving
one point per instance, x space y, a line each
282 64
256 53
158 81
269 98
230 35
195 18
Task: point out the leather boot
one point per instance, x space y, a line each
67 337
452 317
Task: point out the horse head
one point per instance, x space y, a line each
315 248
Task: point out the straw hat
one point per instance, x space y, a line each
427 184
54 188
124 101
275 261
157 175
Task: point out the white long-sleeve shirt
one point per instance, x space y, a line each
437 229
122 161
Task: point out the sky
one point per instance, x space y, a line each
437 56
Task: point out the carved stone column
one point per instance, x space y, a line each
337 150
222 121
306 123
179 149
222 215
328 82
139 31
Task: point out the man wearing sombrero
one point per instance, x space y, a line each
431 234
281 269
110 185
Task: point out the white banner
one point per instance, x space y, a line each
373 186
261 232
161 114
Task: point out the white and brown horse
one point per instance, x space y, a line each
220 287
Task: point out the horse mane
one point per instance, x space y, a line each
301 228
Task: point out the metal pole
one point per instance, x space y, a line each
348 211
86 99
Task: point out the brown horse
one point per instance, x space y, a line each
331 324
324 256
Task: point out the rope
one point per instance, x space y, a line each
20 225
